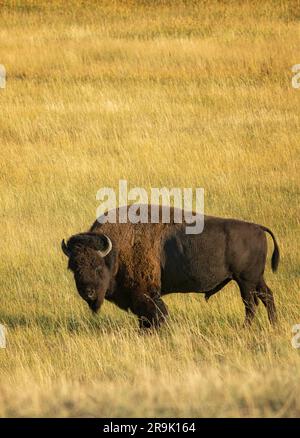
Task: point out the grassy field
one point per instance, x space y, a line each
162 93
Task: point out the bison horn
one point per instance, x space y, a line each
65 248
108 249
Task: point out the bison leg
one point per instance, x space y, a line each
266 296
151 311
247 294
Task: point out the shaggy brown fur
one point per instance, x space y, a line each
150 260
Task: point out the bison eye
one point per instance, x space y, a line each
91 294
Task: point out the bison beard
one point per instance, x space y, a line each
134 265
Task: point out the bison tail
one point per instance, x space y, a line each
276 255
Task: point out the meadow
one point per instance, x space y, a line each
162 93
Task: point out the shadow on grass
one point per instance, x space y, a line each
206 325
50 324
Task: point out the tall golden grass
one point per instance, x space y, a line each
162 93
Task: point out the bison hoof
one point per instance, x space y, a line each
154 324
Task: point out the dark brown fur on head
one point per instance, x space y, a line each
91 270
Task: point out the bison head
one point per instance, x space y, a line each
89 260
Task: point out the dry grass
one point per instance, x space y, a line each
162 94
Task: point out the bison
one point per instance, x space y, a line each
134 265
